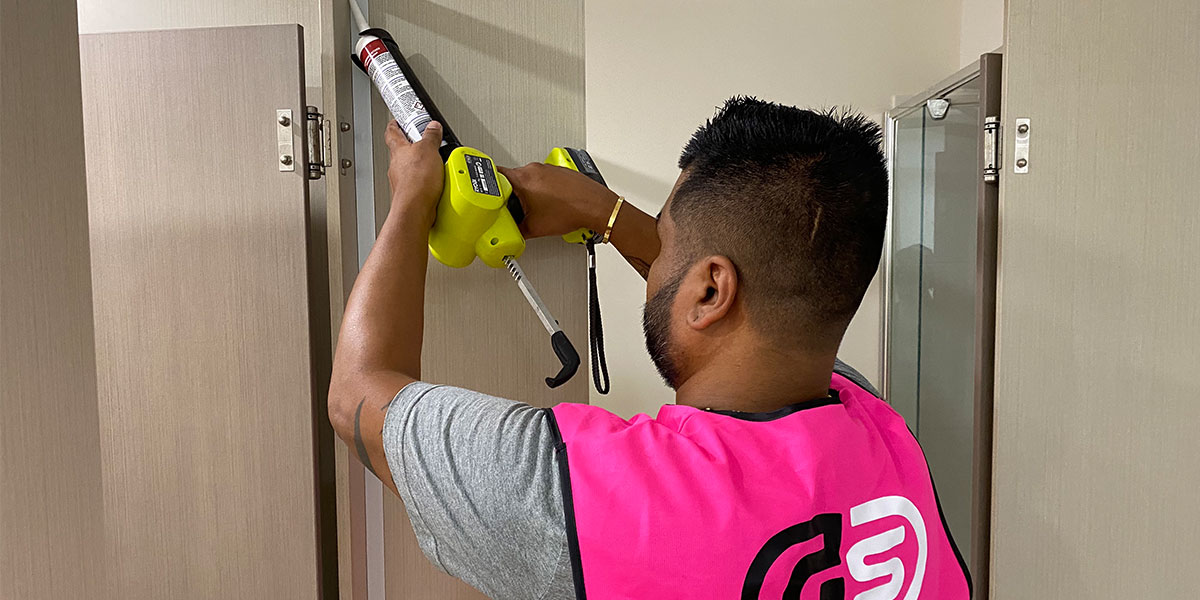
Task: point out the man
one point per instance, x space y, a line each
770 474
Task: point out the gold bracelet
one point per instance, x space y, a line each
612 219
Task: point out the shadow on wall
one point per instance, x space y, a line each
648 192
548 63
464 119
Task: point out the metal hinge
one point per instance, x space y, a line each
991 149
320 142
283 135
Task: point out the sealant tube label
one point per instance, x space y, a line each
394 87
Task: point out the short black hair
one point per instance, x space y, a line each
797 199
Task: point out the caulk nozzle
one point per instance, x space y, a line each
356 12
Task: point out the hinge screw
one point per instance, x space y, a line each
285 159
346 164
344 126
285 120
1022 162
1022 128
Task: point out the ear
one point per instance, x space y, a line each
710 290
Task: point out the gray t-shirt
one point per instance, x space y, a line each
479 478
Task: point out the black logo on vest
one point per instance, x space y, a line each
829 527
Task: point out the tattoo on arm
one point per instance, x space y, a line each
639 265
359 446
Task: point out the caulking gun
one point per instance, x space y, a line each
478 213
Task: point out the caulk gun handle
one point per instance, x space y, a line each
566 355
515 209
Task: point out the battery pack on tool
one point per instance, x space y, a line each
577 160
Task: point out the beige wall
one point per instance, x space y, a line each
51 520
981 30
657 70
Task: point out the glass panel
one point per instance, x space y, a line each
905 315
931 377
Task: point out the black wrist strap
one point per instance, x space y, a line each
595 328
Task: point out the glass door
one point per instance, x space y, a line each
934 301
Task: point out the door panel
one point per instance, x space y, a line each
331 206
51 529
1096 410
201 296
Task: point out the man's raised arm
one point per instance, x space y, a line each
558 201
379 348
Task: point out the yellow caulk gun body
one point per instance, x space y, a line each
472 216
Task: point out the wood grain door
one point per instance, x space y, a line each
205 328
50 490
1096 397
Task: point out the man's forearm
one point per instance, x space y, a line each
635 236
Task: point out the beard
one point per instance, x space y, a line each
656 325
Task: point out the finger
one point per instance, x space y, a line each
432 135
509 173
393 137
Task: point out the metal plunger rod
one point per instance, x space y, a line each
543 313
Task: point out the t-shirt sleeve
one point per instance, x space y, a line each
479 479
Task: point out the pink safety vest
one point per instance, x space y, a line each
825 499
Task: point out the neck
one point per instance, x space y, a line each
757 380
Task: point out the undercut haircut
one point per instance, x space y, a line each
797 200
